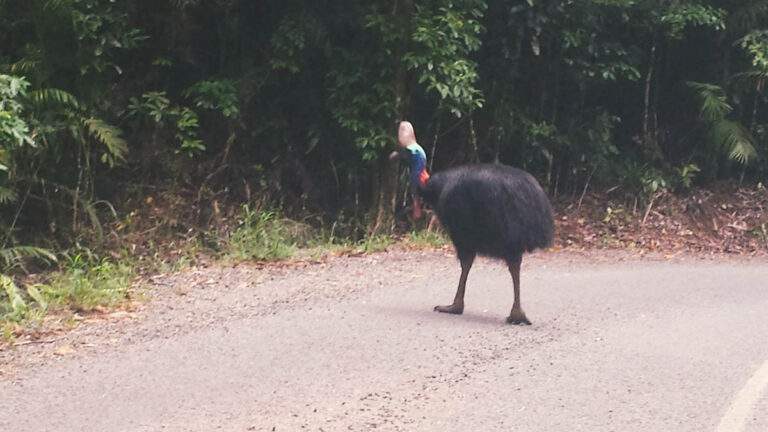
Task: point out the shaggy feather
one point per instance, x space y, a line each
492 210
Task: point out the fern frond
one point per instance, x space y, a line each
734 139
7 195
728 136
23 66
17 303
37 296
714 105
56 4
12 256
109 136
89 207
90 210
750 78
53 97
181 4
108 205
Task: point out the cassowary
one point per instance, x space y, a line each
487 209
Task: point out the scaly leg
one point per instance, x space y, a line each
458 302
516 316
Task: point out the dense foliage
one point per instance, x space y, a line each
296 101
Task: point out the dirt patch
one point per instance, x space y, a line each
725 219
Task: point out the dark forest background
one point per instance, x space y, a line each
293 104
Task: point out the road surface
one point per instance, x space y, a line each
615 345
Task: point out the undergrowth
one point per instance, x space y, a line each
374 243
426 238
265 236
87 284
83 283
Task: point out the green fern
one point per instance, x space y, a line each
12 256
90 210
37 296
15 300
7 195
751 80
56 4
23 66
728 136
181 4
714 104
89 207
53 97
109 136
735 139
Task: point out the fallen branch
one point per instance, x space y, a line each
37 342
737 227
586 186
650 206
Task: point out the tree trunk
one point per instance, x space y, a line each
647 99
436 137
725 48
385 172
384 188
649 140
555 95
756 104
473 139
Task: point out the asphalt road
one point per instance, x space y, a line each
614 346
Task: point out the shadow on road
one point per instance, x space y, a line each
421 314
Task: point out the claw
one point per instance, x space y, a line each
517 317
451 309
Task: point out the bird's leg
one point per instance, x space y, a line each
516 316
458 302
416 207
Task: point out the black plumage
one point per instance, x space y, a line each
492 210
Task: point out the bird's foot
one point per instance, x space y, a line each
456 309
517 317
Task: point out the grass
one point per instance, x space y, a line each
321 247
85 286
424 238
12 304
265 236
83 283
374 243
